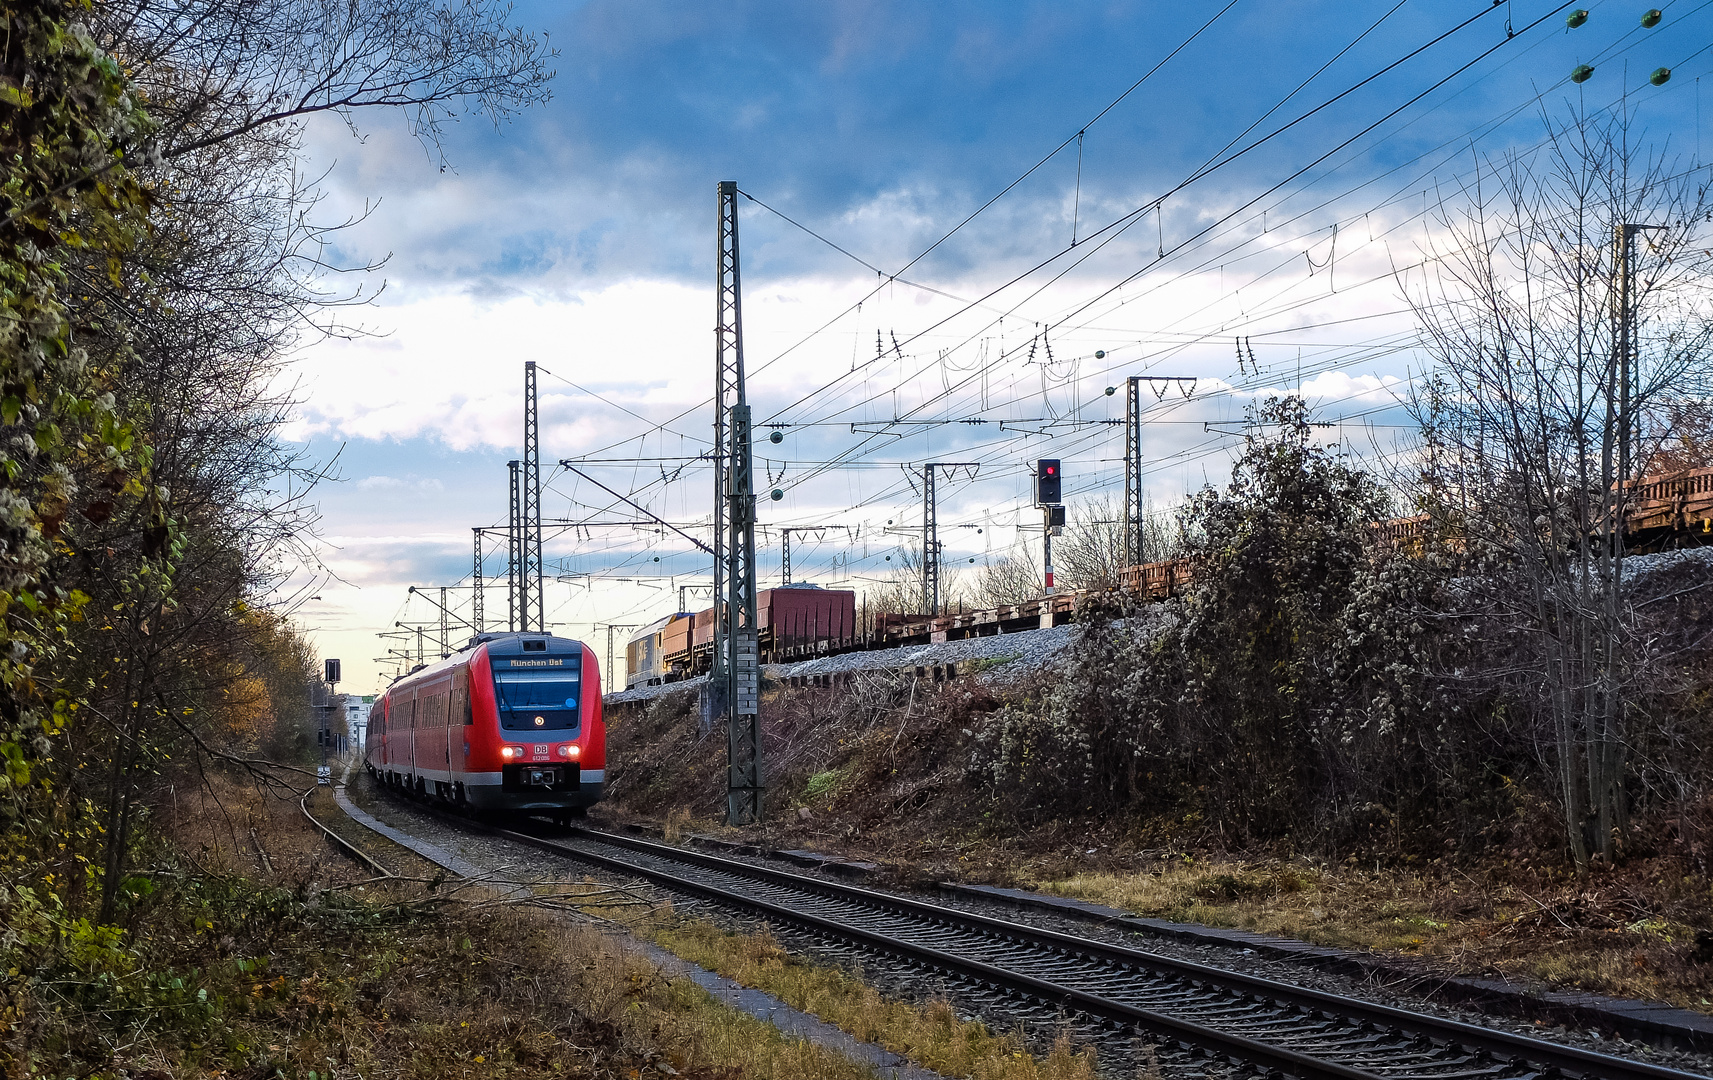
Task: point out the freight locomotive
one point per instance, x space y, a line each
511 723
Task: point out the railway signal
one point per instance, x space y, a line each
1049 496
1047 487
324 731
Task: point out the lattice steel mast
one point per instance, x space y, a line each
1133 531
1132 471
514 549
445 626
931 531
534 603
735 676
930 544
478 615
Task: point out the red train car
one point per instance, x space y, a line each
511 723
794 620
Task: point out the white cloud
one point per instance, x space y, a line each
393 483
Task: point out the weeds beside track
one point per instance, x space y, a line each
1192 1019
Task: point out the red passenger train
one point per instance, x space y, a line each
510 723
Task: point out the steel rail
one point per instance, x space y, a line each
1569 1059
1191 1034
340 841
1547 1059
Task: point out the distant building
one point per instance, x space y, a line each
357 718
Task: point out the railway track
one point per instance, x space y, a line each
1137 1007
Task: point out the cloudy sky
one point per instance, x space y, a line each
1169 178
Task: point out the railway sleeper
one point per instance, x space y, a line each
965 964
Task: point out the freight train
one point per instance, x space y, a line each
803 621
795 623
511 723
800 626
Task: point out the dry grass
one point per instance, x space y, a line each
266 956
930 1035
1629 934
1349 908
880 768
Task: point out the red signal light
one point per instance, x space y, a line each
1047 482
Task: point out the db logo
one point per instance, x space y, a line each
540 751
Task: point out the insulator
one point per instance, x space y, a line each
776 436
778 493
1660 76
1651 18
1581 74
1100 354
1576 18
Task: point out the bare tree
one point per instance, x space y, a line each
215 71
1090 555
200 315
1009 579
901 592
1566 305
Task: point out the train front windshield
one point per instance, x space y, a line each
538 698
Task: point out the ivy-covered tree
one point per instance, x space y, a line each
1278 556
69 133
1287 696
159 266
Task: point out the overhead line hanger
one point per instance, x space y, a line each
1119 225
1335 150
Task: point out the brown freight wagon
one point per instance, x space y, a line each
804 620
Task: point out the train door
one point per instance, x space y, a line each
377 732
407 735
443 734
458 726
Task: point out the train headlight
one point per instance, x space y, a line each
570 750
511 753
